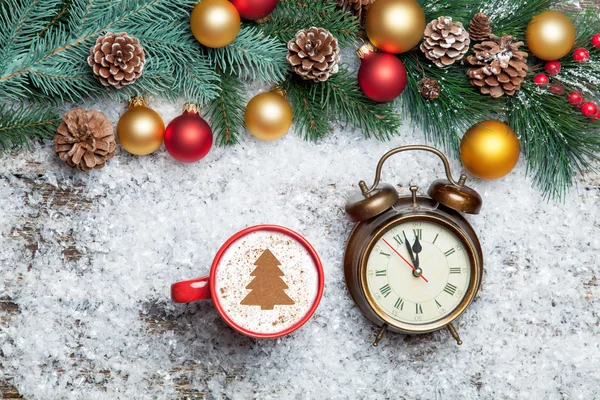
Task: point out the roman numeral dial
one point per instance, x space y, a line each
450 289
394 287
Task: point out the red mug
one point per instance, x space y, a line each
266 281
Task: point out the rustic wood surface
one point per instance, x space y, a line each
64 198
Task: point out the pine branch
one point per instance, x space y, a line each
80 13
227 110
290 16
557 140
310 115
459 106
21 21
338 99
61 44
251 56
62 14
548 134
587 26
19 124
345 102
512 17
182 64
56 64
506 16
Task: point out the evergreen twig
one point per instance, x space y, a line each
344 99
459 106
290 16
252 55
558 141
227 110
339 99
19 124
310 115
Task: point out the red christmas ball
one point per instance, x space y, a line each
381 76
557 88
589 109
552 68
581 55
541 80
596 41
254 9
188 138
575 97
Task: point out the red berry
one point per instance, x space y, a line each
552 68
557 88
589 109
581 55
575 97
596 116
541 80
596 41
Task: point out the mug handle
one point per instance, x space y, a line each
191 290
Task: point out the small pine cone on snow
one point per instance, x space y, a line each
480 28
499 67
429 88
117 59
445 42
314 54
85 139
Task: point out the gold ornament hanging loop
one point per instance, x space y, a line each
137 101
365 49
191 107
279 89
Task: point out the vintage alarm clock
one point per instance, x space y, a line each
413 264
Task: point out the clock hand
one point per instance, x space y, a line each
410 252
417 271
417 248
404 259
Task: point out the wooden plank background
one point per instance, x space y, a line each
61 197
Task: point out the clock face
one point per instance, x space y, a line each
418 272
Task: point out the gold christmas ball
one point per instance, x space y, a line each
395 26
268 116
140 130
490 150
215 23
550 35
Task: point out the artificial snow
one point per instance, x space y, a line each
87 327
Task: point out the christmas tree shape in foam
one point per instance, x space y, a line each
267 288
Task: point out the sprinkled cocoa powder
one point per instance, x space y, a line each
234 271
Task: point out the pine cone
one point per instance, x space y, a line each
429 88
117 59
85 139
480 28
314 54
445 42
500 67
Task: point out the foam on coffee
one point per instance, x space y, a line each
266 306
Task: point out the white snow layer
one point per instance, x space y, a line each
85 329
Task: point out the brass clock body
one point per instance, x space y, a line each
366 234
395 245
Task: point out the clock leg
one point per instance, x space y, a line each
454 334
380 335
